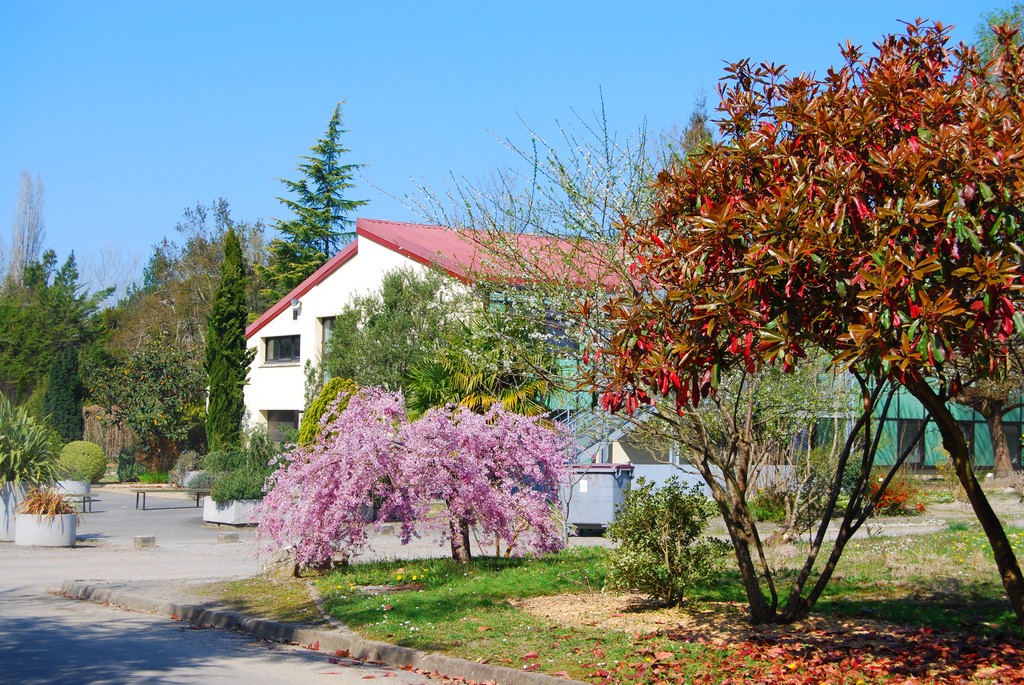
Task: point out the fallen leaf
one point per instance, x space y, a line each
483 628
529 655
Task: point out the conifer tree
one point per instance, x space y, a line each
321 223
227 358
62 401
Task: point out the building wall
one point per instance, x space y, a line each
280 386
906 410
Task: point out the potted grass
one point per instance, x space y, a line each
28 457
46 519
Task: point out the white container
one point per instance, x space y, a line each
73 487
10 498
46 531
236 512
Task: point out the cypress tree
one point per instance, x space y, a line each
62 401
227 358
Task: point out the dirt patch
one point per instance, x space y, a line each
714 621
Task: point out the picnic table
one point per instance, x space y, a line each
141 493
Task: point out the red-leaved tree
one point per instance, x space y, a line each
498 472
874 213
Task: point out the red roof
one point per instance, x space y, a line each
456 251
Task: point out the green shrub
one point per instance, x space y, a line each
239 473
83 460
28 448
128 467
769 505
337 392
661 551
244 483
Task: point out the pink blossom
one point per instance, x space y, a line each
498 471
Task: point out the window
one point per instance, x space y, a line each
281 423
908 432
283 349
326 328
967 429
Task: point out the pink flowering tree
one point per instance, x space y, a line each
498 472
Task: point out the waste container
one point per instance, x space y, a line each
597 492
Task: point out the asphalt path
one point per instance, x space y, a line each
49 639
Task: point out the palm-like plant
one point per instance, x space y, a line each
28 449
493 360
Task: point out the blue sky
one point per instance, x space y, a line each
131 111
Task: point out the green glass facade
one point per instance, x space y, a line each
906 416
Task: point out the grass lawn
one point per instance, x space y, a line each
917 608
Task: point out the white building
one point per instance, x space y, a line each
293 331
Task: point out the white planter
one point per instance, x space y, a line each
73 487
46 531
236 512
10 498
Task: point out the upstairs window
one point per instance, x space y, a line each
282 349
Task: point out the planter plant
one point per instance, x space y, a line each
46 519
28 457
239 477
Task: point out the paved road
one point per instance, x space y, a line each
48 639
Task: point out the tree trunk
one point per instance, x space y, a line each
744 537
954 443
1002 466
459 533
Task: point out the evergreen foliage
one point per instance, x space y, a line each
62 401
158 392
378 338
663 550
321 222
83 460
332 400
49 310
227 357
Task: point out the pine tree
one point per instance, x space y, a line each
227 358
321 224
62 401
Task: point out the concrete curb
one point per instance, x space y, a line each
327 641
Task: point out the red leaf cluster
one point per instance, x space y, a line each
905 656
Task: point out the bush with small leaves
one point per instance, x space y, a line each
83 460
128 467
661 549
187 461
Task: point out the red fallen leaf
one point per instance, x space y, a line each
387 607
529 655
601 673
662 655
389 674
369 677
332 660
531 667
175 617
315 646
483 628
341 652
561 674
598 652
